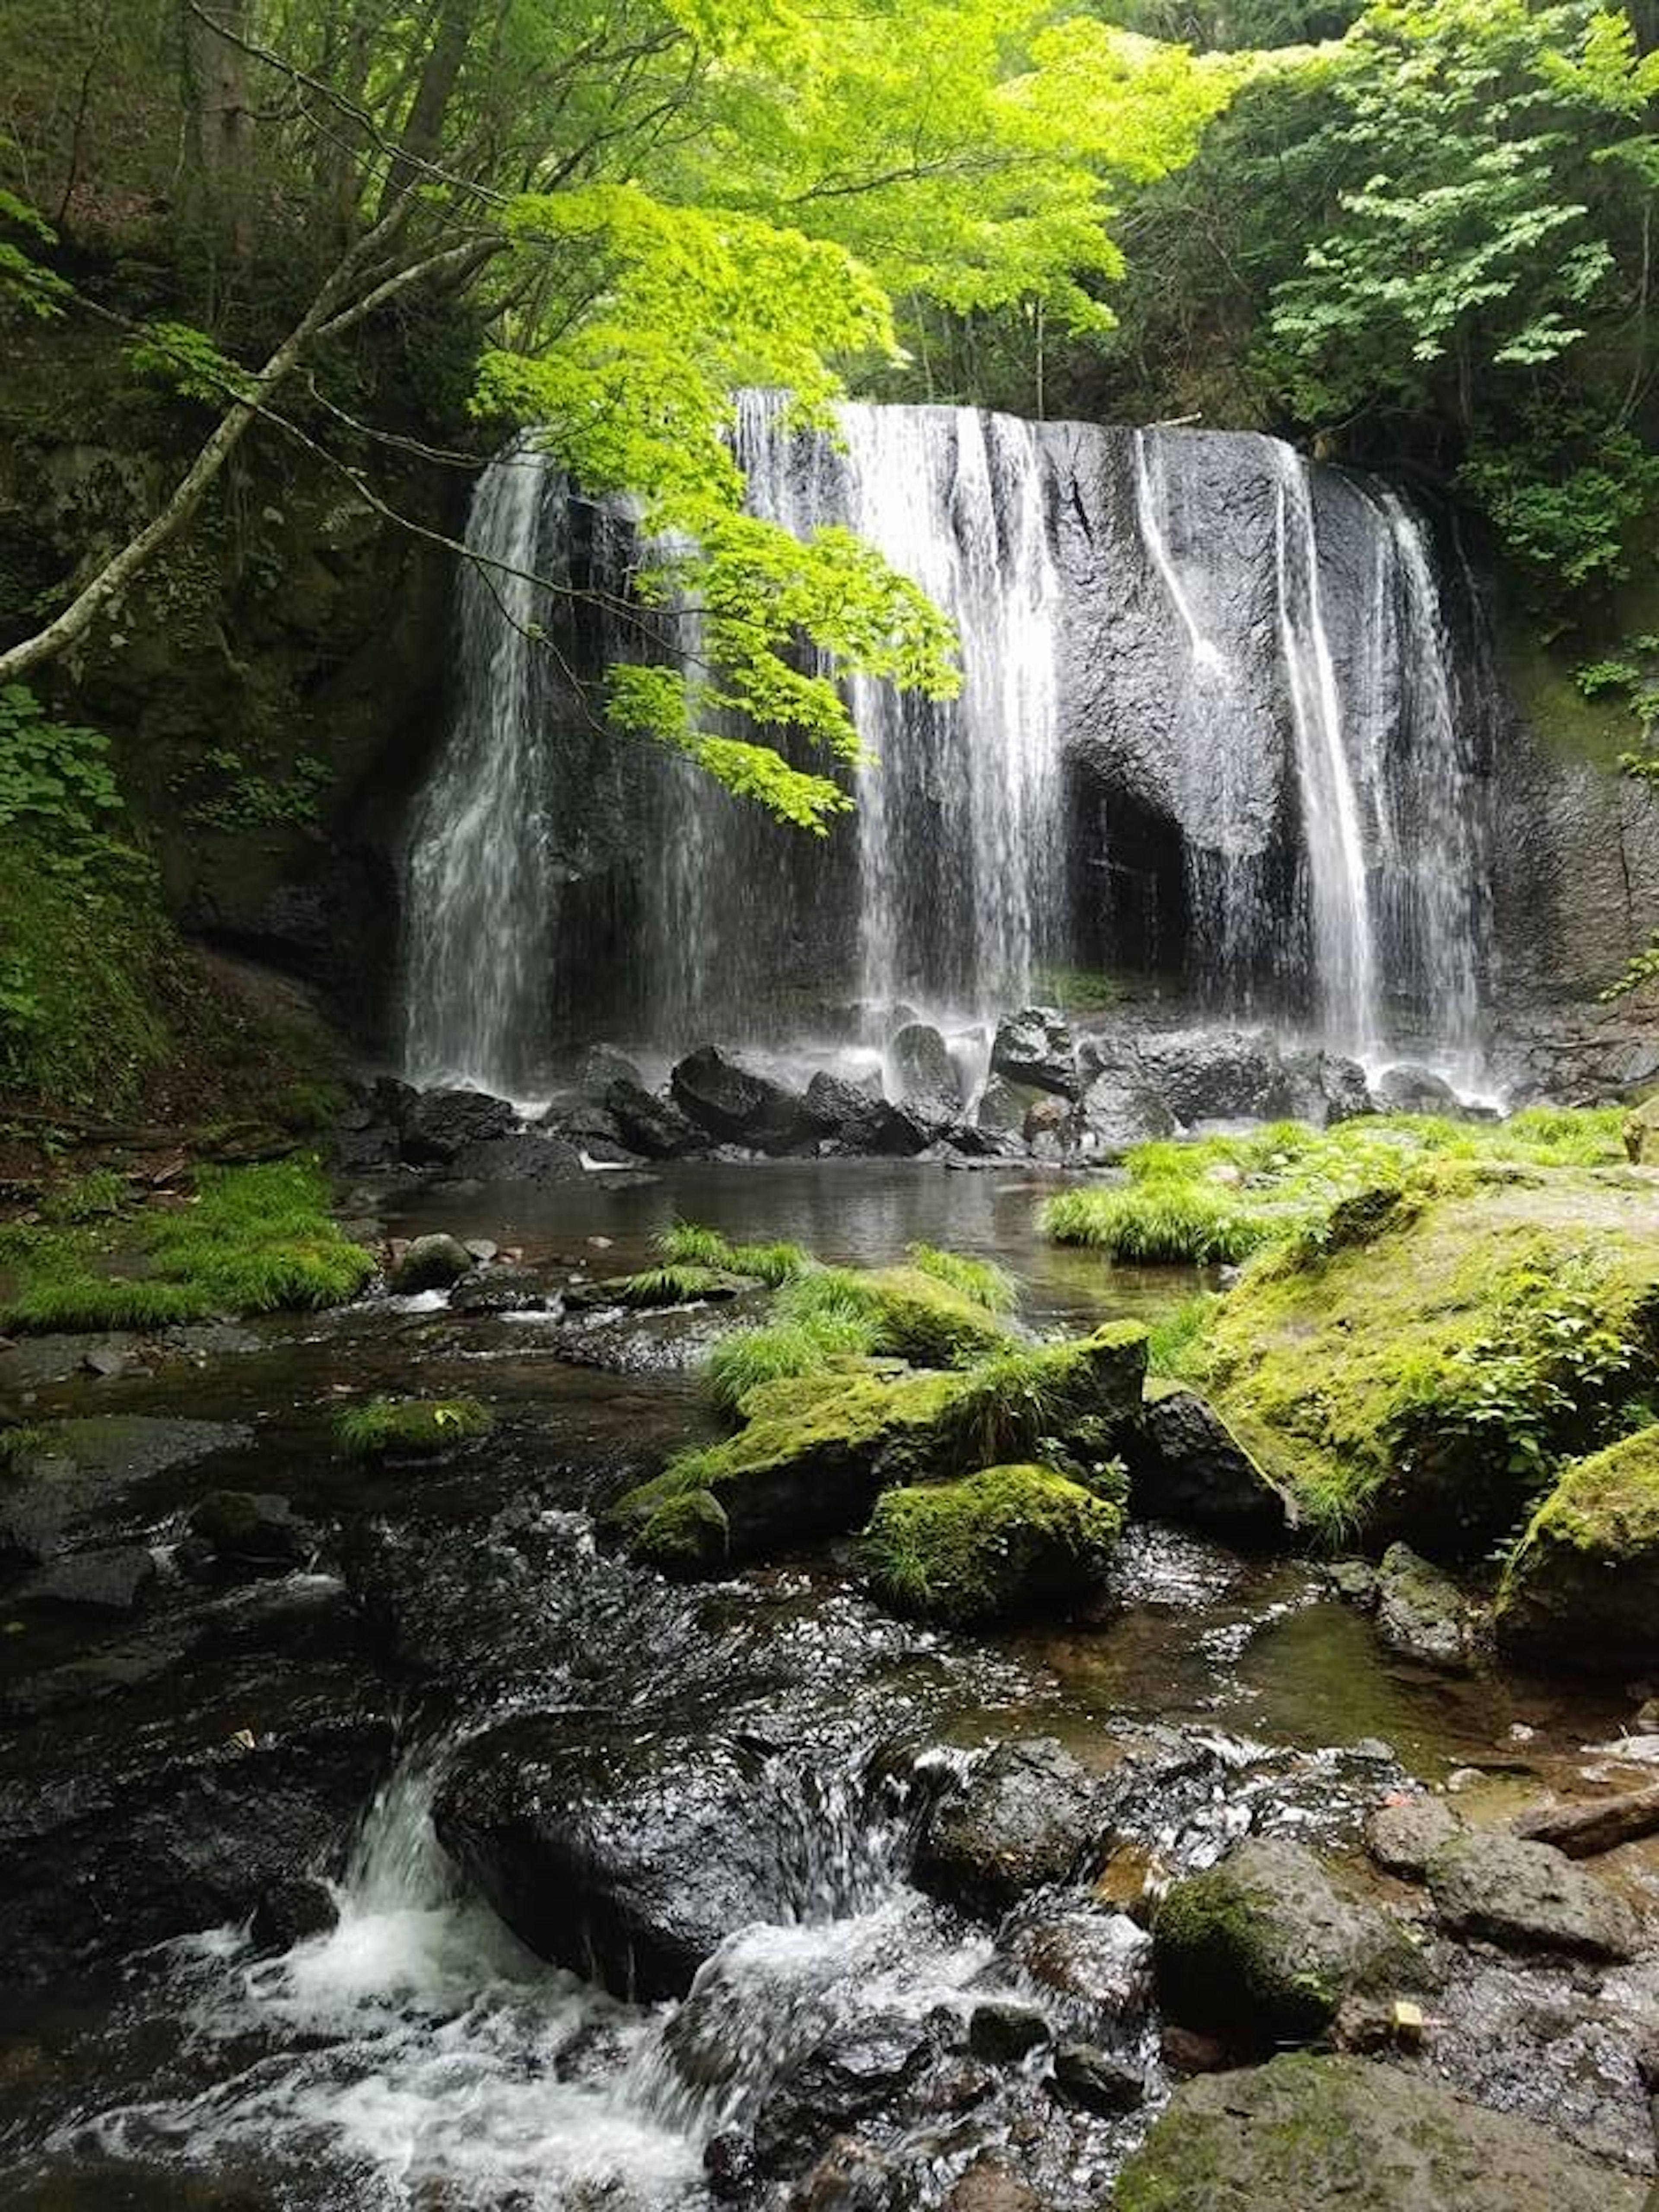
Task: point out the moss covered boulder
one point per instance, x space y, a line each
1264 1948
816 1449
930 1322
1423 1383
1581 1588
1306 2134
1006 1542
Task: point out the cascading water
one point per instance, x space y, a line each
479 910
961 868
1245 656
1344 959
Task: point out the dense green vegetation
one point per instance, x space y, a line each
253 1240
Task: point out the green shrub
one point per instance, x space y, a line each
410 1428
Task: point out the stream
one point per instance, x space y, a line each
415 2054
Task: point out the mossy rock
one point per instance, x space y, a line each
1006 1542
1264 1948
1305 2134
411 1428
687 1534
930 1322
1420 1383
1581 1588
815 1449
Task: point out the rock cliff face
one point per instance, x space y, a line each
273 683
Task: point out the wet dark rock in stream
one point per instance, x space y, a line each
1027 1815
436 1126
1505 1890
1185 1465
737 1104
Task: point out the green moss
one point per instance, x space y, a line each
982 1281
410 1428
254 1240
1426 1382
1583 1585
1033 1400
989 1545
687 1533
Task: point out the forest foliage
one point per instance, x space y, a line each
1417 235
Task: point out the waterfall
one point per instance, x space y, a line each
478 900
1343 950
960 841
1212 716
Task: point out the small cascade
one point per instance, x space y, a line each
478 911
1344 958
1208 660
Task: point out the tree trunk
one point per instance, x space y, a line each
423 137
222 117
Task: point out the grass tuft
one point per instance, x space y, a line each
687 1244
743 1361
410 1428
1158 1221
982 1280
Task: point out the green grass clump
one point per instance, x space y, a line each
1048 1399
982 1280
677 1285
255 1240
410 1428
18 1446
1174 1342
743 1361
688 1244
911 1315
989 1545
1159 1221
92 1197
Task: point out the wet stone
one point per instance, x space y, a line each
849 2075
1403 1839
991 2185
1101 1963
1030 1814
110 1581
1004 2033
430 1263
1421 1614
1527 1896
292 1911
1094 2081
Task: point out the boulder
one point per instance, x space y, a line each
113 1579
991 1546
291 1912
1185 1465
531 1155
1004 2032
1030 1814
1585 1830
1093 2080
924 1078
1214 1074
1035 1047
855 1117
1304 2134
1409 1089
651 1124
498 1290
845 2076
241 1532
1117 1112
599 1067
1325 1087
1422 1613
438 1124
430 1263
1098 1964
1003 1107
992 2185
1264 1947
1402 1838
627 1855
1581 1588
737 1104
1527 1897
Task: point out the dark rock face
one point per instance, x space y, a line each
736 1104
1030 1814
1035 1047
1265 1947
627 1857
1004 2033
925 1078
430 1263
1094 2081
1304 2135
849 2075
858 1119
498 1290
650 1124
1528 1897
601 1066
1411 1090
442 1123
1186 1466
291 1912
